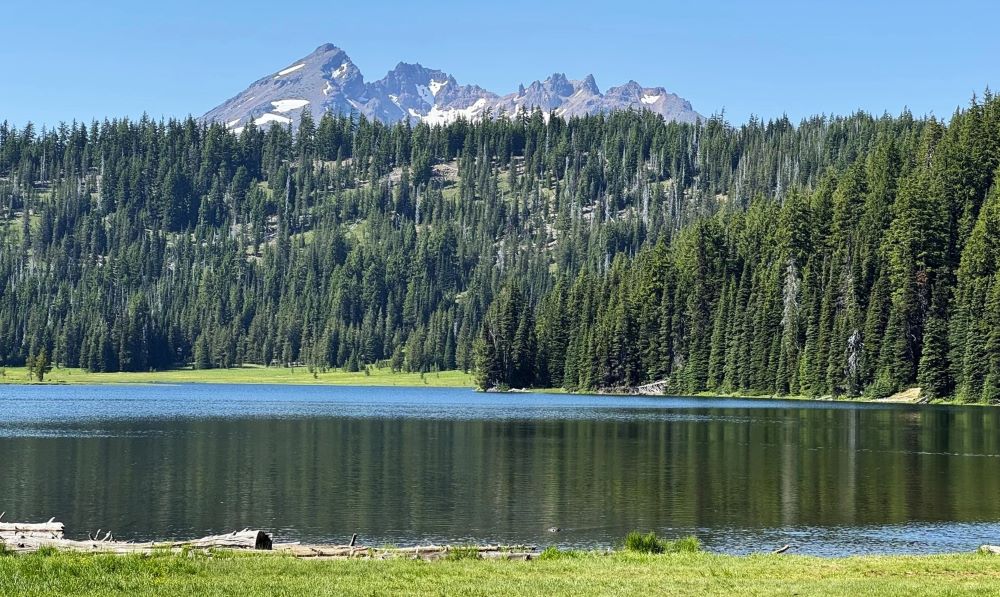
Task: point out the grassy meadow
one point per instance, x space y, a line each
249 374
621 573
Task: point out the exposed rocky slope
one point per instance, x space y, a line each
327 81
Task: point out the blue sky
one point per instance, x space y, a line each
81 60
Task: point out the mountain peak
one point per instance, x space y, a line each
326 49
328 81
408 67
560 84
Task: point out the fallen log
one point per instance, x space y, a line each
12 535
322 551
511 555
49 528
28 537
245 539
993 549
422 552
33 543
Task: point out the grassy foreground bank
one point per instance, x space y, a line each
250 374
617 574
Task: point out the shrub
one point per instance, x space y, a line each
650 543
689 544
554 553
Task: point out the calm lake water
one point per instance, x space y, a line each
403 466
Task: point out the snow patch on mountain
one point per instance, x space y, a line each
436 86
448 115
287 105
269 118
290 70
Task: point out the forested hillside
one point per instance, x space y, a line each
840 256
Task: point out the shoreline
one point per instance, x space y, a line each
33 537
383 377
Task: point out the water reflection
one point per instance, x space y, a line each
434 465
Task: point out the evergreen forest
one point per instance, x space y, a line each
851 255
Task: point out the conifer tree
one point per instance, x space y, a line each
934 375
41 365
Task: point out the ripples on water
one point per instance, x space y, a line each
405 465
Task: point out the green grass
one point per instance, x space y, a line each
463 553
15 224
650 543
249 374
584 574
306 237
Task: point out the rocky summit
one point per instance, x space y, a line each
327 81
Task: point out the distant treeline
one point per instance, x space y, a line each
842 255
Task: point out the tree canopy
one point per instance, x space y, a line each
844 255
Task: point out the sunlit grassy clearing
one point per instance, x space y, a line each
250 374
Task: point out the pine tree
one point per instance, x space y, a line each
41 365
991 382
202 353
934 375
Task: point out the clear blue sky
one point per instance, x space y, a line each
66 60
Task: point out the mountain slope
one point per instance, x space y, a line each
327 81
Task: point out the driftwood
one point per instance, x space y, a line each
783 549
245 539
33 537
994 549
51 528
25 537
421 552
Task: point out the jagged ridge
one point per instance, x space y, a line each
328 81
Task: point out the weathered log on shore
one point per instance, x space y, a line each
51 528
422 552
29 537
994 549
245 539
30 541
8 536
33 543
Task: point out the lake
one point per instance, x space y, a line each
416 465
